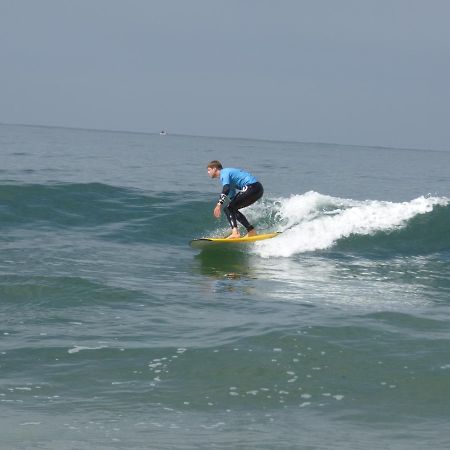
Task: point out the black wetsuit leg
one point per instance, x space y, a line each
247 197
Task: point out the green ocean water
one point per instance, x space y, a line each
116 334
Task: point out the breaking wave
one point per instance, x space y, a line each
314 222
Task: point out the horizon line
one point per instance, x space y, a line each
151 133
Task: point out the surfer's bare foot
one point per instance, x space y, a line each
234 234
251 233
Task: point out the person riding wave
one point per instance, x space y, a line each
240 189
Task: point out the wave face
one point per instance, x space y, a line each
101 210
314 222
309 222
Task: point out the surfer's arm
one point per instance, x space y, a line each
217 210
223 196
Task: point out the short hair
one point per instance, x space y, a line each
215 164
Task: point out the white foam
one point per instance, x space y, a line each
313 221
79 348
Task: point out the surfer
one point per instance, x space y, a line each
249 191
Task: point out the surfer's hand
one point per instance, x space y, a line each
217 211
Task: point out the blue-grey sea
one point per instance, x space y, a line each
116 334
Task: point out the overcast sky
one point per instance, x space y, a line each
373 72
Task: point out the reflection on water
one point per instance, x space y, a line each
316 279
232 273
220 263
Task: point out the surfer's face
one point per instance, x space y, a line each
213 172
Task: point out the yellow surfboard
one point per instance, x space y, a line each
212 242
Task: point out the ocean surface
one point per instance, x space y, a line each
115 334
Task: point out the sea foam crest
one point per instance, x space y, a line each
313 221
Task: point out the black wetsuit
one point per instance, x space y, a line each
249 195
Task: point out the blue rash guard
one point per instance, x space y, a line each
235 179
